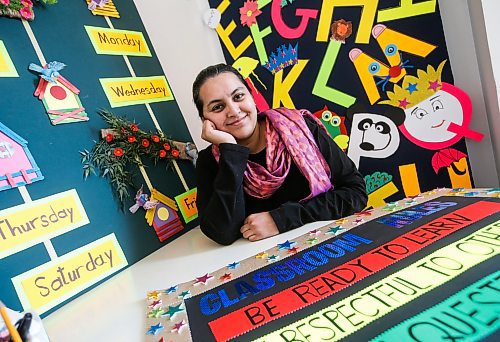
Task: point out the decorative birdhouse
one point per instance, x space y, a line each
17 166
163 217
59 96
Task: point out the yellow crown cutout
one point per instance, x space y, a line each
416 89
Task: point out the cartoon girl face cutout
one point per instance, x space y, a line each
430 119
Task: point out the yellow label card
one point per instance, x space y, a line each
27 224
129 91
362 308
108 41
48 285
7 68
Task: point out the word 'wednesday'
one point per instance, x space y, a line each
42 221
133 91
406 217
103 38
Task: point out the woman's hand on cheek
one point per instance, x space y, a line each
211 134
259 226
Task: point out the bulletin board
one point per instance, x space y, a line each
371 71
61 235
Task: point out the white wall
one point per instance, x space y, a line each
184 45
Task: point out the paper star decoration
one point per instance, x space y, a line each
156 313
335 230
312 241
203 279
341 221
293 250
411 202
173 310
154 295
364 213
178 326
315 232
358 221
261 255
225 276
154 329
412 87
272 258
434 85
171 289
403 103
286 245
234 265
185 294
155 303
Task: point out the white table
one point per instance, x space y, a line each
115 310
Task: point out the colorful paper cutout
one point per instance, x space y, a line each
335 125
246 67
282 87
224 34
7 68
321 88
409 179
187 205
341 30
108 10
249 12
286 31
374 131
108 41
58 95
438 114
48 285
127 91
406 9
17 165
368 12
163 217
282 58
392 44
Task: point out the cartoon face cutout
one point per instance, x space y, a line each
429 120
373 136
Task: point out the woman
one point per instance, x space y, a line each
265 173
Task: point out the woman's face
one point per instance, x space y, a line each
229 105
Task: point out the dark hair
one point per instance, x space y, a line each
210 72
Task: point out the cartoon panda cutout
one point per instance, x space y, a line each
374 131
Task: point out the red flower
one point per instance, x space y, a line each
118 152
134 127
166 146
131 139
109 137
162 153
175 153
249 12
145 143
155 138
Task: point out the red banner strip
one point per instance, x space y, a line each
296 297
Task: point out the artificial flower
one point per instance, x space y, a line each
145 143
162 153
166 146
109 137
249 13
155 138
118 152
5 2
27 3
131 139
26 13
175 153
134 127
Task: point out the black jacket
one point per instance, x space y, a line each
223 205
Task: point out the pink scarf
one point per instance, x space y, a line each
288 138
